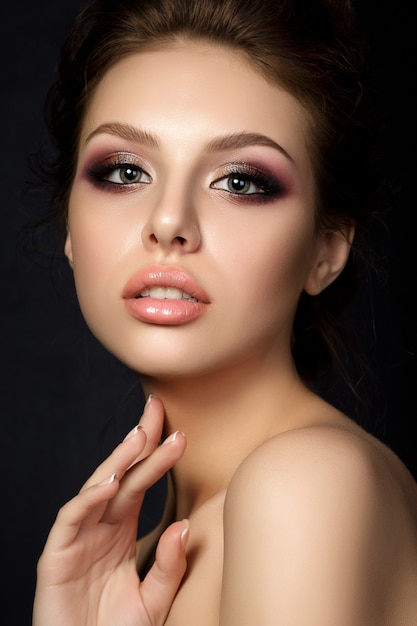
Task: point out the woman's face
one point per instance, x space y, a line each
191 219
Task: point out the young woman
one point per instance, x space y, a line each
213 176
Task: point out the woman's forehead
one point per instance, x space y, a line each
190 88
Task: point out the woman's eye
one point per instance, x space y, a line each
126 175
250 182
238 184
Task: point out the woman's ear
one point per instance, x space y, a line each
333 253
68 248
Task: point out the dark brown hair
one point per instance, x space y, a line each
312 48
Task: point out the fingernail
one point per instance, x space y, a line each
185 533
133 432
149 400
108 480
172 437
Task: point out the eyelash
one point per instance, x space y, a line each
100 173
268 187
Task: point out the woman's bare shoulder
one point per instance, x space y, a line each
325 453
328 517
328 520
329 459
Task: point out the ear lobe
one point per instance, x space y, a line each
68 249
332 257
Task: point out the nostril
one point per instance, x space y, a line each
179 240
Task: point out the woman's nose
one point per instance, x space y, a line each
172 225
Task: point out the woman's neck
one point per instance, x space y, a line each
224 416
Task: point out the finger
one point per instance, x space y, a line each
163 579
142 476
152 422
75 512
122 457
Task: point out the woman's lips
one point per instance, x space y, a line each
164 295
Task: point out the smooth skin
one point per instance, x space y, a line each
296 515
90 554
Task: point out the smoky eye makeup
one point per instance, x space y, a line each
249 183
117 172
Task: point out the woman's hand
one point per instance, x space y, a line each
87 572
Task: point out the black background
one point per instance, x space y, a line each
64 401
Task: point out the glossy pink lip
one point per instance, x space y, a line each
170 312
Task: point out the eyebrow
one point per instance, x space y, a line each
125 131
232 141
242 140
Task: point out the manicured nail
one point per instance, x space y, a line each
185 533
108 480
172 437
133 432
149 400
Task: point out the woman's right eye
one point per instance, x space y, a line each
126 175
118 173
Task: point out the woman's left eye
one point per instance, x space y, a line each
249 182
237 183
